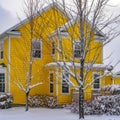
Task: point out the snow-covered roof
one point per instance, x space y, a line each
69 64
15 27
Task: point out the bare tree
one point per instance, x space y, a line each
87 16
28 51
36 27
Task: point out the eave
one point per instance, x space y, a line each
54 65
12 34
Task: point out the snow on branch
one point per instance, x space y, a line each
37 84
20 86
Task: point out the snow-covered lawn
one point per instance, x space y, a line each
18 113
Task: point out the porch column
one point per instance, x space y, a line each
8 63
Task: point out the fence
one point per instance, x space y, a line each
89 95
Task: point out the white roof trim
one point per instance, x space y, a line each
13 34
87 65
54 4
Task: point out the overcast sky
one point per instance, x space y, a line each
11 9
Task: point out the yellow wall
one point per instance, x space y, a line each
20 50
116 80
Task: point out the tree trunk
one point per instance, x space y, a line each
81 102
81 91
27 106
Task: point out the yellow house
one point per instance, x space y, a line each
48 62
112 79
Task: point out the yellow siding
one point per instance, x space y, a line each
116 80
20 48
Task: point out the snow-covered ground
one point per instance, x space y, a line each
18 113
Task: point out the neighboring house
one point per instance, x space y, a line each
112 79
14 50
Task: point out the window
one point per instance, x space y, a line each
77 48
53 47
65 78
96 81
2 82
1 50
36 49
51 83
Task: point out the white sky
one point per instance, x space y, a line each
11 9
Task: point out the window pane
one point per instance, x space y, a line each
2 82
77 48
53 47
51 88
1 50
96 84
65 86
51 77
1 54
51 83
36 46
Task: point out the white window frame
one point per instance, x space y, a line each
4 82
35 40
2 50
98 73
51 83
65 83
75 42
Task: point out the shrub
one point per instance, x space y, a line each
5 101
43 101
101 105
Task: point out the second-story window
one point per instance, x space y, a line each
1 50
36 49
76 49
53 47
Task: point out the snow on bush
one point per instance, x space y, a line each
42 101
5 100
113 89
101 105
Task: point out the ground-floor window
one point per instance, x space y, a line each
96 81
65 78
51 82
2 82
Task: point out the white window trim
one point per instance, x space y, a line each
98 38
74 48
62 82
50 81
93 81
40 49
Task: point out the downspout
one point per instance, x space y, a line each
8 63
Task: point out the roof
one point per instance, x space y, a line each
72 22
54 4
